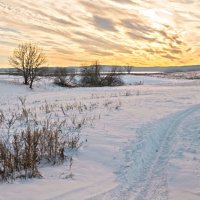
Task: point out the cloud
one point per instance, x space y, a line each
9 30
129 2
104 23
137 25
184 1
137 36
170 57
4 43
110 30
155 51
99 43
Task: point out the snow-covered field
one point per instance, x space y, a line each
143 144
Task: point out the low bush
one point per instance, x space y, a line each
93 77
27 143
21 157
65 77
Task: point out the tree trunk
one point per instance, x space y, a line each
26 80
31 84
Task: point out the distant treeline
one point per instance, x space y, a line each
49 71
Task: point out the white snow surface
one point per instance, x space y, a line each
148 148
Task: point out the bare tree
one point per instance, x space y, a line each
27 58
129 69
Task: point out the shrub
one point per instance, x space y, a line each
37 141
112 79
93 77
27 149
65 77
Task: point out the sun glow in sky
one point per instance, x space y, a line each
118 32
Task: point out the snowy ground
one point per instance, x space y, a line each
144 143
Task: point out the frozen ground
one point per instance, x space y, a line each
144 143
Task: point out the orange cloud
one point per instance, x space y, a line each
139 32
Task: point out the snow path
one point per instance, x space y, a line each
155 185
145 173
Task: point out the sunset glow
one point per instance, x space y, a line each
77 32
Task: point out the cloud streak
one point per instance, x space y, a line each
139 32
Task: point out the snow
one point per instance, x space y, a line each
144 143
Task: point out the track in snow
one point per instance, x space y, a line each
144 175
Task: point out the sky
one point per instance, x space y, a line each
114 32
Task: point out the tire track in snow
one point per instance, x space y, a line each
155 186
154 175
144 175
